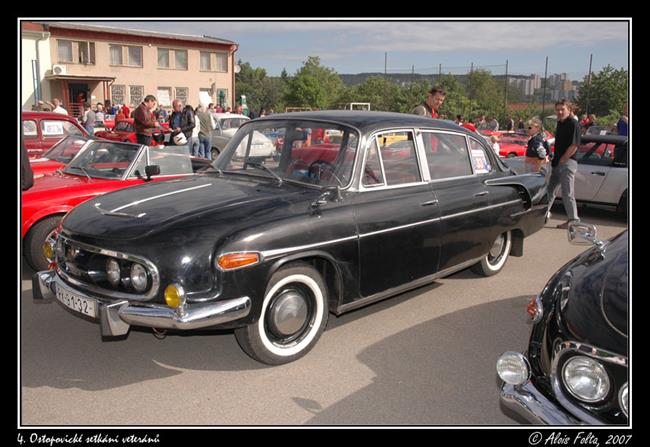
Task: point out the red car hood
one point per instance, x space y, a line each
42 166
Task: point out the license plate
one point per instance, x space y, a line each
76 302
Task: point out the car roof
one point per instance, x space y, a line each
230 115
607 139
368 121
45 115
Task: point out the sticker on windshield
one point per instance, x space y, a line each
480 162
52 128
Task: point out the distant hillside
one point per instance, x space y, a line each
404 78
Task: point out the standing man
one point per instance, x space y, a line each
89 119
432 104
144 121
205 132
56 107
565 163
621 125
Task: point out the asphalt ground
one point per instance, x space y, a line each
426 357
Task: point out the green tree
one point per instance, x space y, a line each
483 92
411 95
314 85
607 94
455 100
379 92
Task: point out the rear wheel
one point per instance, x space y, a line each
215 152
41 232
493 262
294 314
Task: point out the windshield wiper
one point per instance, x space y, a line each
263 167
82 169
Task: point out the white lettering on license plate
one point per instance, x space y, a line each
76 302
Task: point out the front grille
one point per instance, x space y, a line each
85 266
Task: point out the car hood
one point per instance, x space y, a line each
155 207
57 184
596 311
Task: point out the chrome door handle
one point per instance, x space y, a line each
430 202
482 193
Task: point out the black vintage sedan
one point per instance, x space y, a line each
269 246
576 368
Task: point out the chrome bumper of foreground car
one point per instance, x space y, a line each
115 317
529 402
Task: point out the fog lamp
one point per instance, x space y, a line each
174 296
512 368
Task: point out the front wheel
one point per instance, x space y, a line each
493 262
294 314
40 233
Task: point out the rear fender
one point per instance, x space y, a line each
531 187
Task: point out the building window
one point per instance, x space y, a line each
134 56
222 62
86 52
137 94
116 54
118 94
164 96
181 94
163 58
180 57
64 50
205 61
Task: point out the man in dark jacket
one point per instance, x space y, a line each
26 173
144 121
181 120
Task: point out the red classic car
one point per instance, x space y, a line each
99 167
514 144
42 130
58 156
124 131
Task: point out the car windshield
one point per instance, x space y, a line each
66 149
103 159
231 123
300 150
124 126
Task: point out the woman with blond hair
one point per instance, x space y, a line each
536 152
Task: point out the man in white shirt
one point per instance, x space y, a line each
56 107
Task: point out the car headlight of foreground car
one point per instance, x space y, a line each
513 368
139 279
586 379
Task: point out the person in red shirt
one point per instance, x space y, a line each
432 104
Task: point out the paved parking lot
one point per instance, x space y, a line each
424 357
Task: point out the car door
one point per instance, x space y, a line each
594 160
396 215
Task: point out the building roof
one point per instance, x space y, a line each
134 32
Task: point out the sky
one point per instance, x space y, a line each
353 46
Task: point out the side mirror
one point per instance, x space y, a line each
582 234
151 170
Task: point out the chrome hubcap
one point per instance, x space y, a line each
289 313
497 247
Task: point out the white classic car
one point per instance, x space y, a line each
226 126
602 176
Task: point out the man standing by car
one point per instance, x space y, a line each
565 163
432 104
144 121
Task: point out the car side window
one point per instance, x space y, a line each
29 129
447 155
372 173
479 158
52 128
71 129
399 158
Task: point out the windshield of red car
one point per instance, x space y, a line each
310 152
103 159
66 149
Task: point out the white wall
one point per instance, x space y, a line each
29 53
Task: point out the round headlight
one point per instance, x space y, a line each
512 368
586 379
113 272
623 398
138 277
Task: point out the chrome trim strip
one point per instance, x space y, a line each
582 349
401 227
451 216
138 202
151 268
405 287
282 251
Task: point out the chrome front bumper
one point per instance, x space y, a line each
528 402
115 317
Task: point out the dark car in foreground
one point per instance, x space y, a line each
575 370
270 245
